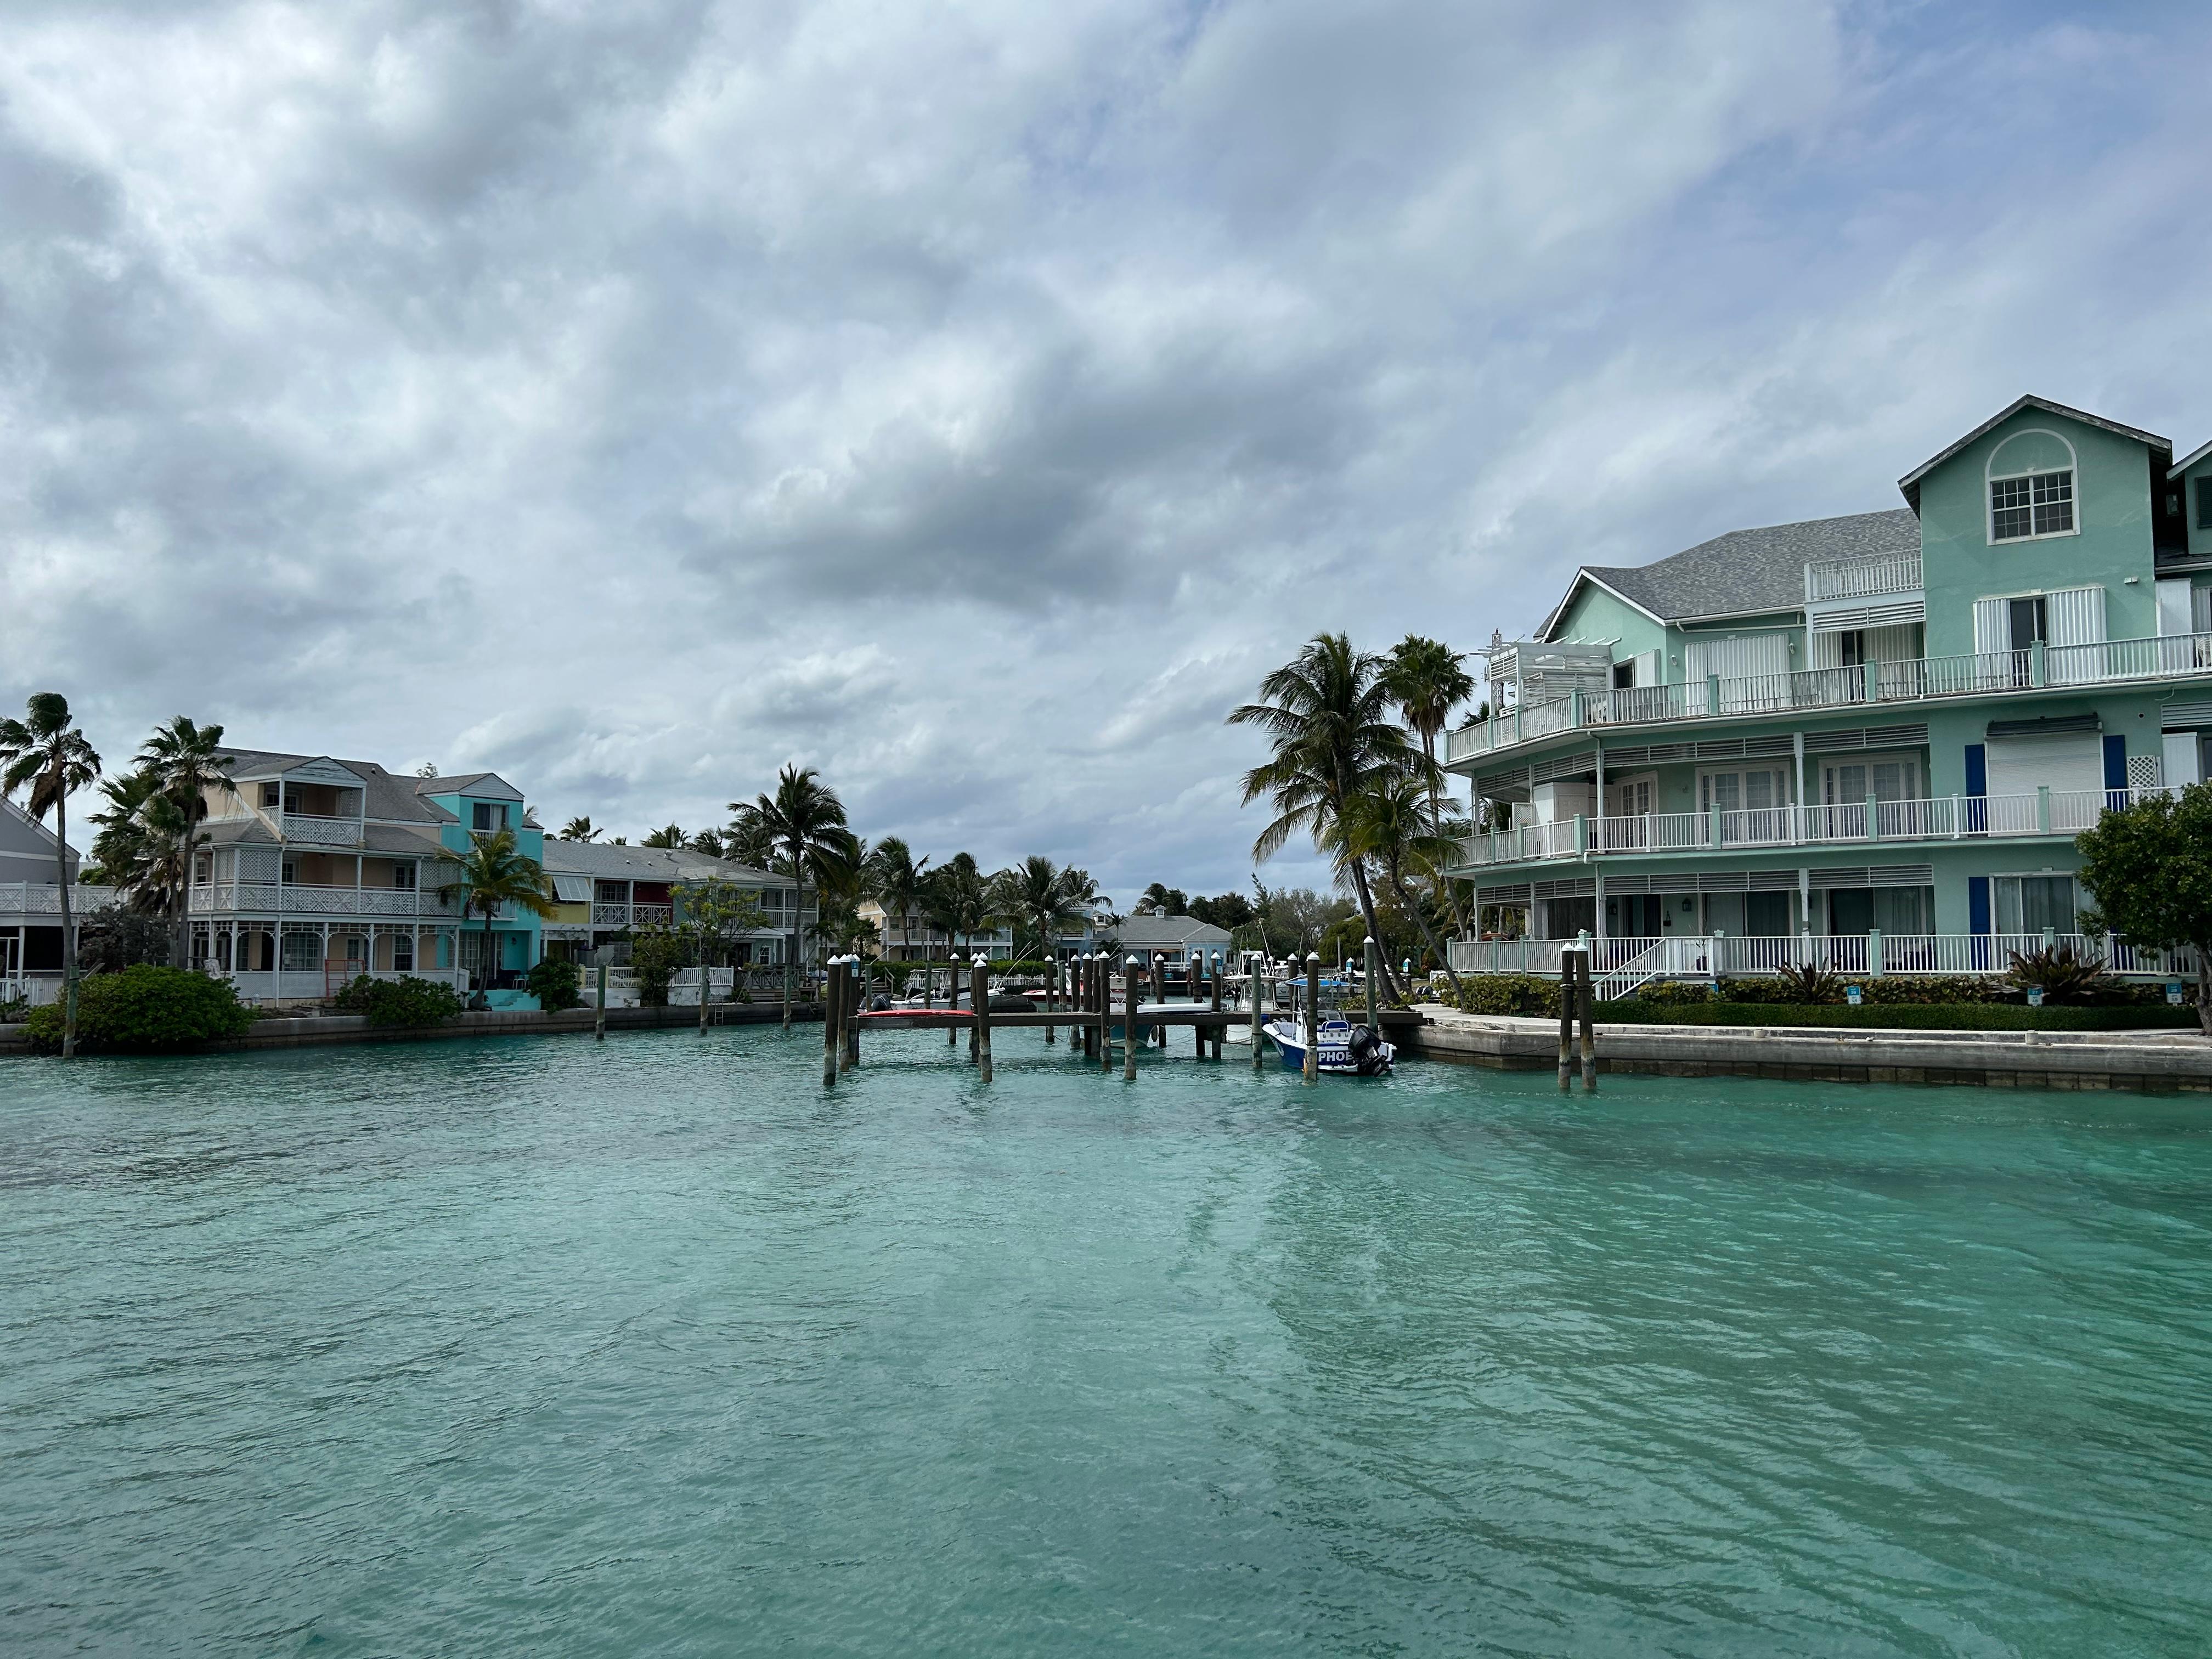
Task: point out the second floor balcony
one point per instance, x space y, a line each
1943 817
1918 679
302 898
1874 576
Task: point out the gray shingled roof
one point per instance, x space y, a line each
593 858
1166 932
468 783
1747 570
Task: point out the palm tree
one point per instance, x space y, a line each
493 873
166 844
709 843
118 851
669 839
895 880
1035 894
956 899
578 829
1389 822
1327 714
803 825
188 762
45 752
1427 679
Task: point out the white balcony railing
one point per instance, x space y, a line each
2109 662
1866 577
320 831
44 898
1945 817
1626 962
298 898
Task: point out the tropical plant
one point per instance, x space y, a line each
1160 900
655 953
1327 713
956 899
114 940
554 982
45 752
802 828
894 879
493 873
579 828
406 1001
145 1009
1034 896
188 765
162 874
119 850
1811 983
669 838
1388 821
2060 974
2149 867
1229 910
717 912
709 843
1427 679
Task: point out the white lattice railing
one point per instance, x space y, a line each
1917 679
44 898
298 898
1631 961
306 827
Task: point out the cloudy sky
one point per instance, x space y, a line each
972 400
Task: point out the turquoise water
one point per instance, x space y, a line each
538 1346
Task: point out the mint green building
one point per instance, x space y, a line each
1868 740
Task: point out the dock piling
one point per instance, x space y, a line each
1367 966
979 990
1213 995
1312 1015
1129 1019
1589 1001
830 1001
856 1001
1567 998
599 1024
1256 977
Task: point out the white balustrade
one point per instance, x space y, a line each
1863 577
306 827
1629 961
1917 679
44 898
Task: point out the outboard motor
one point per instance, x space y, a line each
1366 1051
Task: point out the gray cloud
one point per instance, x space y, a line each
972 401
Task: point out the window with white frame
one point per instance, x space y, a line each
2028 904
1887 777
1750 791
2031 505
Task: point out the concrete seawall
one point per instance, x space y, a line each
2158 1062
322 1030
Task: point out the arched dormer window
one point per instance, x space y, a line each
2031 477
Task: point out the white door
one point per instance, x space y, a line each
2077 618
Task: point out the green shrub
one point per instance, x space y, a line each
145 1010
405 1002
1509 993
1671 992
553 984
654 956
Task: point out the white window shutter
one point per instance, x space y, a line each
2077 618
1992 632
1647 668
2182 759
2173 608
1694 661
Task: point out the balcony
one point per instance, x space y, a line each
1945 817
1919 679
1619 965
1869 577
44 898
633 915
297 898
307 830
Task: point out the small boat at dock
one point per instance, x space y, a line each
1346 1050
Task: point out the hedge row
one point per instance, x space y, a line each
1930 1016
1533 993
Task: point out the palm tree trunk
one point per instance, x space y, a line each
485 964
1398 886
1446 890
1374 927
69 928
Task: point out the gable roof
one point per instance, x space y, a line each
1909 483
2190 459
384 796
485 785
1166 932
1744 572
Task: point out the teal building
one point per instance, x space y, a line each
1866 740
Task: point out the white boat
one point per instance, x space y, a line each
1347 1050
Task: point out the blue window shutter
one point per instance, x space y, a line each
2116 761
1977 768
1978 904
